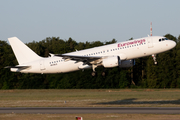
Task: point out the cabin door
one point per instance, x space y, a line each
42 67
150 42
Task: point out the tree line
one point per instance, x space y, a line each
166 74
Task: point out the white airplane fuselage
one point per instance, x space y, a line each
127 50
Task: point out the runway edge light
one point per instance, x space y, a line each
79 118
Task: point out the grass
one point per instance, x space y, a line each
91 98
88 117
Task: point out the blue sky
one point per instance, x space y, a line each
88 20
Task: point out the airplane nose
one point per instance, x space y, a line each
170 44
173 44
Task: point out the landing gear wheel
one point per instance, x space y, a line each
103 74
93 74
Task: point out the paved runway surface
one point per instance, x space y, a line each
85 110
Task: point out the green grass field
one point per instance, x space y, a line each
88 117
90 98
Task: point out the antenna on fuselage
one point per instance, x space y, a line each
151 29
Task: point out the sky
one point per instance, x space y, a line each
88 20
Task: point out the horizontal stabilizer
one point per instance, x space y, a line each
21 67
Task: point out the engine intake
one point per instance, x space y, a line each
111 62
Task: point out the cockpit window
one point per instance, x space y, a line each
162 39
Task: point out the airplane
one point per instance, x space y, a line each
120 54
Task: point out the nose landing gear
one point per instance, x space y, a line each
154 58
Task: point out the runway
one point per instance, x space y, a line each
87 110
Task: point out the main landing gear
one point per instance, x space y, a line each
154 58
103 73
94 72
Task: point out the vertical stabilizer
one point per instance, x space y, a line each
22 52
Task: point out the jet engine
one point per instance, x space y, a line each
111 62
127 63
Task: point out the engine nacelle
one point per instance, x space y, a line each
111 61
127 63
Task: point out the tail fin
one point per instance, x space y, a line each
22 52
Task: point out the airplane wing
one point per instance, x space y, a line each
77 58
